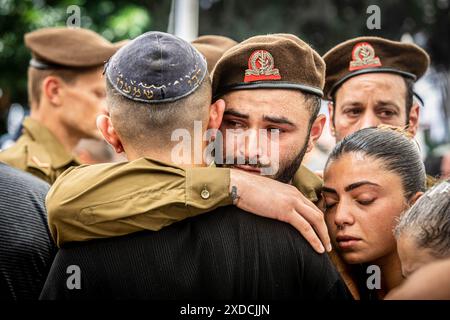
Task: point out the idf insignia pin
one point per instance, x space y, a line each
261 66
363 56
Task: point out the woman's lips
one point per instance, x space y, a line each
347 242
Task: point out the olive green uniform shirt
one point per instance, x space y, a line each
113 199
38 152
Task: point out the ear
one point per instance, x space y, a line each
415 197
316 131
330 120
105 126
413 120
52 90
216 111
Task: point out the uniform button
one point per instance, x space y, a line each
204 194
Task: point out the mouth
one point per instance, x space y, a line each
346 242
248 168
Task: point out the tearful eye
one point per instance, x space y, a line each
234 124
275 130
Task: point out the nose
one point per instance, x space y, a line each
369 120
343 216
254 145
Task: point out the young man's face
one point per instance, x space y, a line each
369 100
268 128
84 100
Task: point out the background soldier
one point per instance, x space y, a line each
66 93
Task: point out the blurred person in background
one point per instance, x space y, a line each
212 47
66 92
423 232
26 247
92 151
370 81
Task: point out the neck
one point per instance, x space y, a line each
391 273
68 140
164 156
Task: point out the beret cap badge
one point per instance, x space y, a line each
363 56
261 66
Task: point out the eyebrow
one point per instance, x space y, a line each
232 112
355 185
350 187
329 190
387 103
279 120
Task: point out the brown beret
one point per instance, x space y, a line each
369 55
68 48
277 61
212 48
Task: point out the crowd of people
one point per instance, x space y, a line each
164 222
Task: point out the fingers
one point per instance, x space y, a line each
315 217
306 230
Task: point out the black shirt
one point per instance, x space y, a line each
26 247
225 254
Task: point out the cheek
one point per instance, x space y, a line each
291 144
378 222
332 229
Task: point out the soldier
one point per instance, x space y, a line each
223 255
369 81
66 93
276 86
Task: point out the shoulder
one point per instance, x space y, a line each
20 180
309 183
28 155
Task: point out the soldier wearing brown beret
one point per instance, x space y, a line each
270 83
213 47
66 92
369 81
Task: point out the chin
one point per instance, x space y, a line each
355 257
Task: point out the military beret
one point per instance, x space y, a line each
68 48
156 67
277 61
213 47
372 54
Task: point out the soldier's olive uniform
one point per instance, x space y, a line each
114 199
38 152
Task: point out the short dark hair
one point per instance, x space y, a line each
137 122
409 98
428 221
313 105
398 153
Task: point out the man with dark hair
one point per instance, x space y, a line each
284 103
26 247
66 92
222 255
370 81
